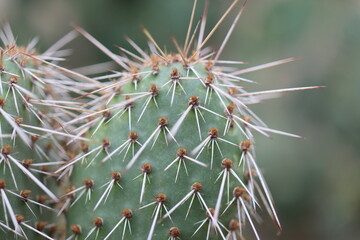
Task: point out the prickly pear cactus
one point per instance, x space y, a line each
163 149
171 147
27 192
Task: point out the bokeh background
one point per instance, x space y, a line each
315 182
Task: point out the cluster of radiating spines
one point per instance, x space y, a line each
28 141
222 83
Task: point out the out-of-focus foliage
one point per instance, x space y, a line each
314 182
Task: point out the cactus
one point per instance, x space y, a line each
171 150
29 149
164 149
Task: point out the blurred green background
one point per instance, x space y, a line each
315 182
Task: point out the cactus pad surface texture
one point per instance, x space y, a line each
150 159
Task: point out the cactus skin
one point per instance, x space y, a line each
159 157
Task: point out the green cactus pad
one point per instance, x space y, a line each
169 151
116 142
